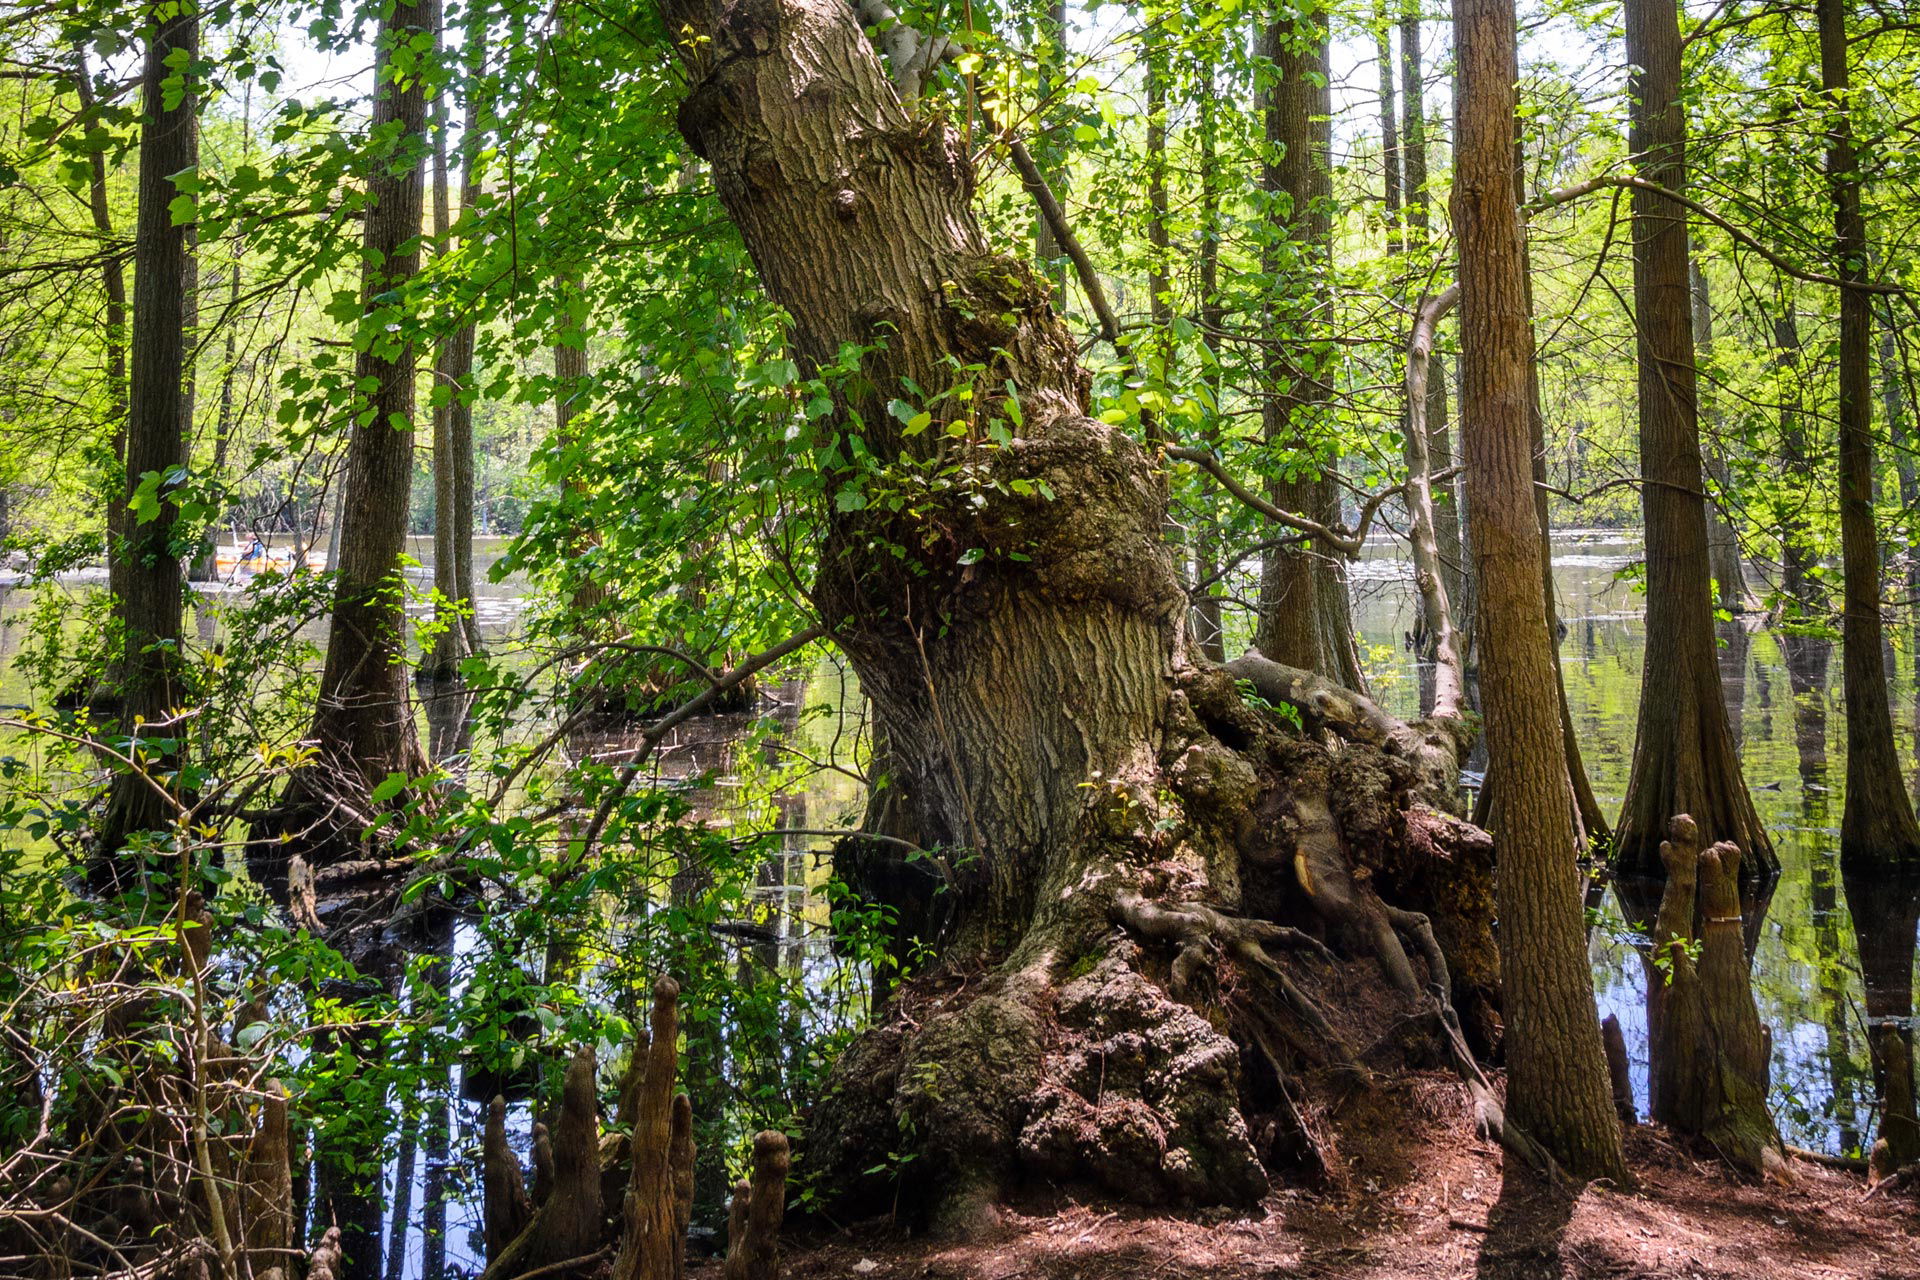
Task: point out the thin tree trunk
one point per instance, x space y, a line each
1447 510
1877 825
1683 759
1798 555
1723 545
1050 154
1391 188
143 680
453 374
1893 403
364 721
1208 624
114 280
1557 1075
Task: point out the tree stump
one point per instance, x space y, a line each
753 1220
1710 1055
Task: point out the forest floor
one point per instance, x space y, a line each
1426 1197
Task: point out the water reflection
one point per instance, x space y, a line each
1783 695
1886 911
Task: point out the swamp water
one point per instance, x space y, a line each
1783 692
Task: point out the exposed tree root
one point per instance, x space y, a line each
1163 1027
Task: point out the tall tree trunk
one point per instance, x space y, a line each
114 282
1558 1084
1392 188
364 724
1209 629
1302 590
1049 153
1893 403
1798 555
143 679
1877 825
1683 758
1723 545
1447 521
453 375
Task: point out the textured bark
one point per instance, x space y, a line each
1437 632
1049 749
1683 759
1303 617
142 679
1709 1074
453 421
1392 186
653 1234
266 1191
363 726
1558 1085
1878 820
753 1226
567 1221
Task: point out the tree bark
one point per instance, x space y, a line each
1303 620
1050 154
453 371
1392 188
1558 1084
1447 512
1021 640
1798 555
114 282
1723 544
1209 628
363 726
1684 759
1877 823
143 679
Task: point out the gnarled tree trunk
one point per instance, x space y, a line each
1060 766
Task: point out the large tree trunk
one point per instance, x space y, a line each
1051 754
1558 1084
453 374
1683 759
1877 823
143 679
1303 619
363 727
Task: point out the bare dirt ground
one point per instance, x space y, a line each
1424 1196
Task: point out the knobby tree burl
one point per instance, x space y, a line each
1107 833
